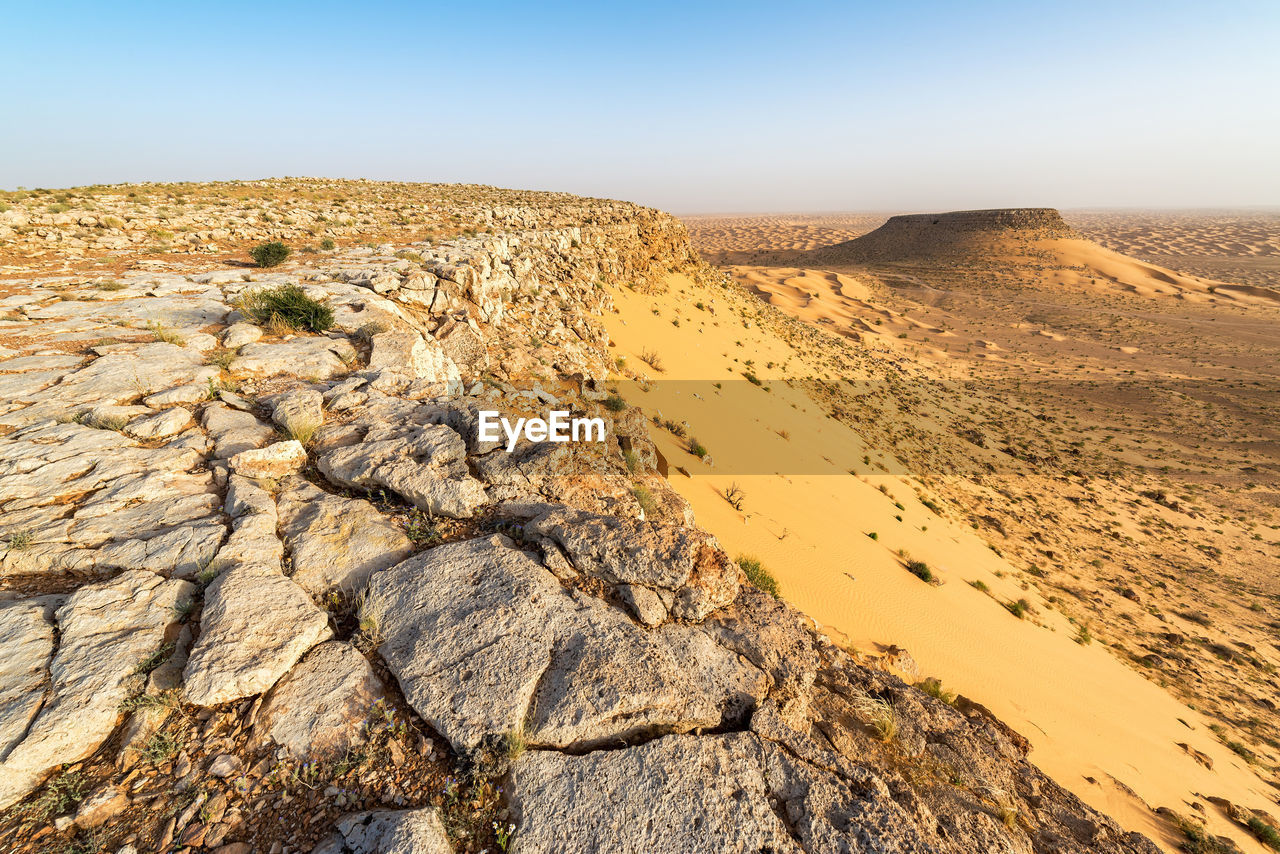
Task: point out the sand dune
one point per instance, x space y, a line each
1097 726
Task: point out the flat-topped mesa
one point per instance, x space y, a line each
995 219
923 237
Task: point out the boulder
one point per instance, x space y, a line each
321 708
305 357
273 461
427 465
484 641
388 832
255 626
674 795
239 334
409 353
160 425
234 431
685 561
334 541
298 411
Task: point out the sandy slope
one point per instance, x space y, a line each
1096 725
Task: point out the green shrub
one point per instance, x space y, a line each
758 575
1264 832
698 449
327 244
614 403
1019 609
920 570
288 305
270 254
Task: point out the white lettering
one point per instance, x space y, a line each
512 435
587 424
559 423
558 427
535 430
488 425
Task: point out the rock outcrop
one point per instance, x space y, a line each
280 591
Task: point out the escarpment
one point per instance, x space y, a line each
268 588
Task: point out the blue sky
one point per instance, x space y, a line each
690 107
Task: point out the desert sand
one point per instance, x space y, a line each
1059 346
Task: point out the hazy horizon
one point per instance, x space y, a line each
713 109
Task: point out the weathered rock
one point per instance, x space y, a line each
239 334
255 626
675 795
423 359
685 561
427 465
273 461
161 425
483 640
388 832
100 807
105 631
298 412
306 357
336 542
26 645
321 708
465 346
644 603
234 431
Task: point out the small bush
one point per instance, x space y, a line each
1019 609
735 496
20 540
1265 832
752 378
614 403
221 358
652 359
920 570
758 575
287 305
271 254
980 585
933 687
327 245
698 449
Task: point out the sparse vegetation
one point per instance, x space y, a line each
651 358
287 306
271 254
758 575
165 334
735 496
877 714
933 687
920 570
698 449
19 541
645 499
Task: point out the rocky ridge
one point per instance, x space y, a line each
265 590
